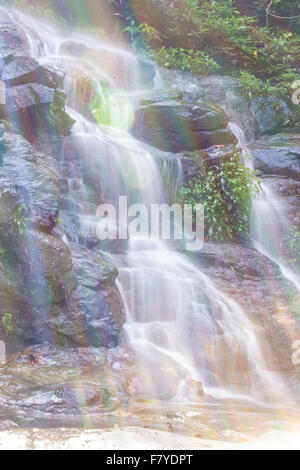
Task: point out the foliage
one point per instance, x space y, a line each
227 32
187 60
20 221
226 192
197 35
7 322
256 86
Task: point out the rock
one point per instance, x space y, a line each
35 109
37 278
22 70
94 314
46 290
258 286
66 385
176 126
273 113
278 155
54 292
256 115
148 70
85 87
13 39
29 179
25 96
192 162
17 68
226 92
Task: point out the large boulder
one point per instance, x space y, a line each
49 291
35 109
274 113
21 70
35 277
177 126
53 292
93 314
256 115
13 39
29 180
226 92
278 155
193 162
25 96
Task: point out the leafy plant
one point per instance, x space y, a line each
187 60
19 220
256 86
7 322
226 191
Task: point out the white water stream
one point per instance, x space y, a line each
270 225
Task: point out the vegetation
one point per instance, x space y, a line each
187 60
224 36
7 323
226 192
20 221
247 39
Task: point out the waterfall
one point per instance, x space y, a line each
270 225
188 337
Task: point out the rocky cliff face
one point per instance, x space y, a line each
50 290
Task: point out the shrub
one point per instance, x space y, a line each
226 191
187 60
256 86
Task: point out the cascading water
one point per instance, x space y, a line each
185 333
270 225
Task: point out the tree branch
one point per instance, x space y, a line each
268 12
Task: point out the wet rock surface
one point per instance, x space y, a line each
277 160
33 102
259 287
29 180
21 70
49 291
278 155
193 162
177 126
52 386
43 297
256 115
12 37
